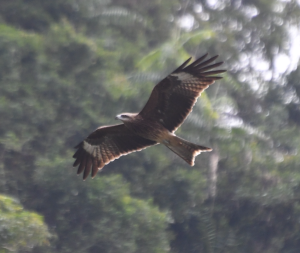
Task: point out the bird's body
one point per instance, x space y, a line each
147 128
170 102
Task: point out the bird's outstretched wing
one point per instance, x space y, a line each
104 145
173 98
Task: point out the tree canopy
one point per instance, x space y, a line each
67 67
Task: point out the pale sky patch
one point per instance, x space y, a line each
186 22
282 63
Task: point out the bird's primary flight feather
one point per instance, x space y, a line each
170 102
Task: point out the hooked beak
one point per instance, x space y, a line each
117 117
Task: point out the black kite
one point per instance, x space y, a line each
171 101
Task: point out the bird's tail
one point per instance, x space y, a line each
186 150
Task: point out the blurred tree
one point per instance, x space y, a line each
20 229
68 66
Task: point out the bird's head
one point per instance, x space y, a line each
125 116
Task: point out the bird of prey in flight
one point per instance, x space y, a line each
170 102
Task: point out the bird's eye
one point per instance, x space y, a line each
124 116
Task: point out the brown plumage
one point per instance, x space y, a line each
169 104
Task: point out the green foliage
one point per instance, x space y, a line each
67 67
100 216
174 49
20 229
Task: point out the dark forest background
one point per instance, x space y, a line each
69 66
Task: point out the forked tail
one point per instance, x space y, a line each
186 150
